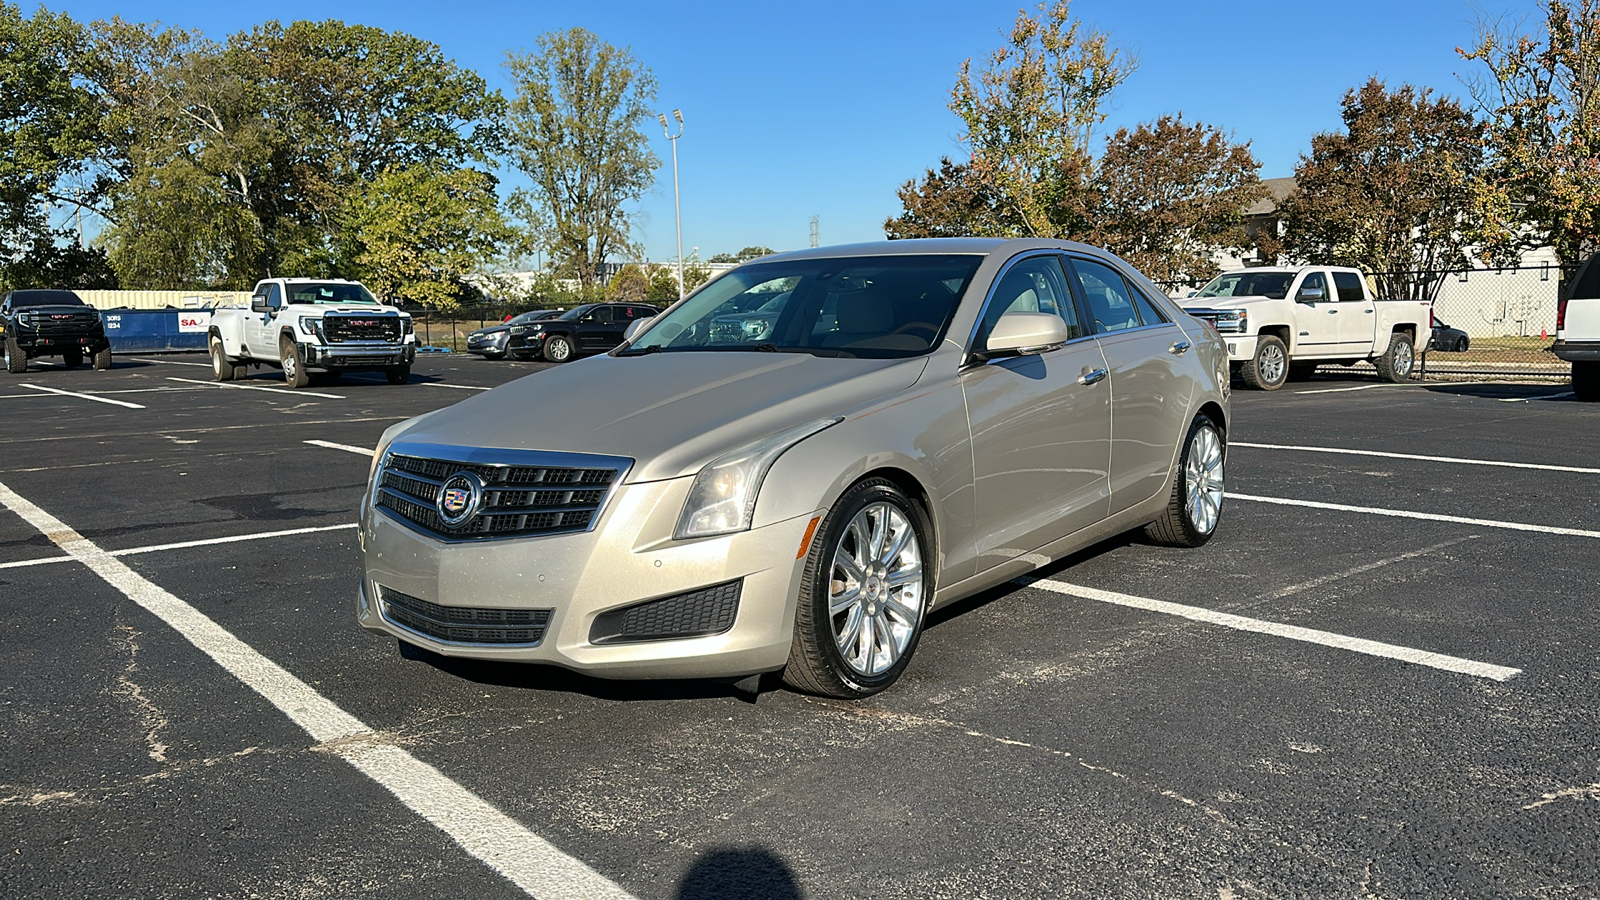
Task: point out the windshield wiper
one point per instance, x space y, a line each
766 348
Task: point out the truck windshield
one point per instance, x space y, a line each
1249 284
329 293
45 298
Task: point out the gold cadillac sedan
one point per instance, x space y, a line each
790 468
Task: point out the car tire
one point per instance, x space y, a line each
71 359
1194 508
294 370
557 348
1586 381
1399 361
221 368
102 360
1461 346
1268 369
827 622
1302 371
16 360
398 374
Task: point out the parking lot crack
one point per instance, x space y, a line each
39 798
150 716
1586 792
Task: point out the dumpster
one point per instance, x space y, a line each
156 330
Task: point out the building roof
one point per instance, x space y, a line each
1278 190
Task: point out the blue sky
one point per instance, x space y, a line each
824 108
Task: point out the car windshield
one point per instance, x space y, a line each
45 298
527 317
1249 284
879 307
329 293
576 313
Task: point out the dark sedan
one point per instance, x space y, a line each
1447 339
490 342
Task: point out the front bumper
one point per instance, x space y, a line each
1576 351
532 342
35 343
628 558
492 344
353 356
1241 347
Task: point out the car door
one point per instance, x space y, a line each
1040 425
1318 317
260 335
1151 389
596 328
1357 315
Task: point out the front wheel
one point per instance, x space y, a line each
1586 381
1269 368
294 371
1195 505
558 348
102 360
16 359
863 595
221 368
398 374
1397 362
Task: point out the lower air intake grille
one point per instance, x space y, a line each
695 614
465 624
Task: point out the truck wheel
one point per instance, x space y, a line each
1396 363
1195 504
72 359
1269 368
1302 371
16 360
557 348
398 374
221 368
294 372
102 360
1586 381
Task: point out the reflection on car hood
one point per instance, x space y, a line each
1222 302
492 329
670 412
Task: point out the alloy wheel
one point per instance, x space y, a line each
1272 365
875 589
1203 479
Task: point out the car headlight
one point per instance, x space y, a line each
722 499
313 327
405 325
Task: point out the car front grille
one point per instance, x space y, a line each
465 624
344 329
518 500
694 614
60 323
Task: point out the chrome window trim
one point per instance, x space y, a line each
500 458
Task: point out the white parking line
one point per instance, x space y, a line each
1540 397
1408 514
1363 387
184 545
1438 459
171 362
459 387
527 860
1278 629
346 447
40 387
253 387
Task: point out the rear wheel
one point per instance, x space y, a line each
398 374
1397 362
221 368
102 360
558 348
294 371
16 360
1269 368
72 358
1586 381
863 595
1195 505
1461 346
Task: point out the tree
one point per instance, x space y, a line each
1541 97
744 255
663 286
629 285
575 131
1030 115
418 232
1392 193
949 202
1170 194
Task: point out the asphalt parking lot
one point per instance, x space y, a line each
1380 679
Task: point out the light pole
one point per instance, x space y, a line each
677 209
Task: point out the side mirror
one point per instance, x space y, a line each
636 326
1192 294
1025 334
1309 295
258 303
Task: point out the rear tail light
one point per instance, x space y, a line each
1561 314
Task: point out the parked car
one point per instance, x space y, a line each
301 324
581 330
35 323
1281 323
1447 339
490 342
922 420
1578 329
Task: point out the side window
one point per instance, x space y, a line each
1314 280
274 295
1148 312
1036 284
1349 285
1110 302
601 315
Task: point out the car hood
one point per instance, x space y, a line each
670 412
492 329
1225 302
51 310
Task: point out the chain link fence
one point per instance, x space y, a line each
449 329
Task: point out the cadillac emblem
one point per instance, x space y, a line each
460 498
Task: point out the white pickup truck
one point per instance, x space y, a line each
301 324
1281 323
1578 330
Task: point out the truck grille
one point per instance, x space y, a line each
518 500
343 329
465 624
60 323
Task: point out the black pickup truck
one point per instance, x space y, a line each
38 323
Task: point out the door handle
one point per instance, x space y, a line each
1092 377
1369 312
1178 348
1333 312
